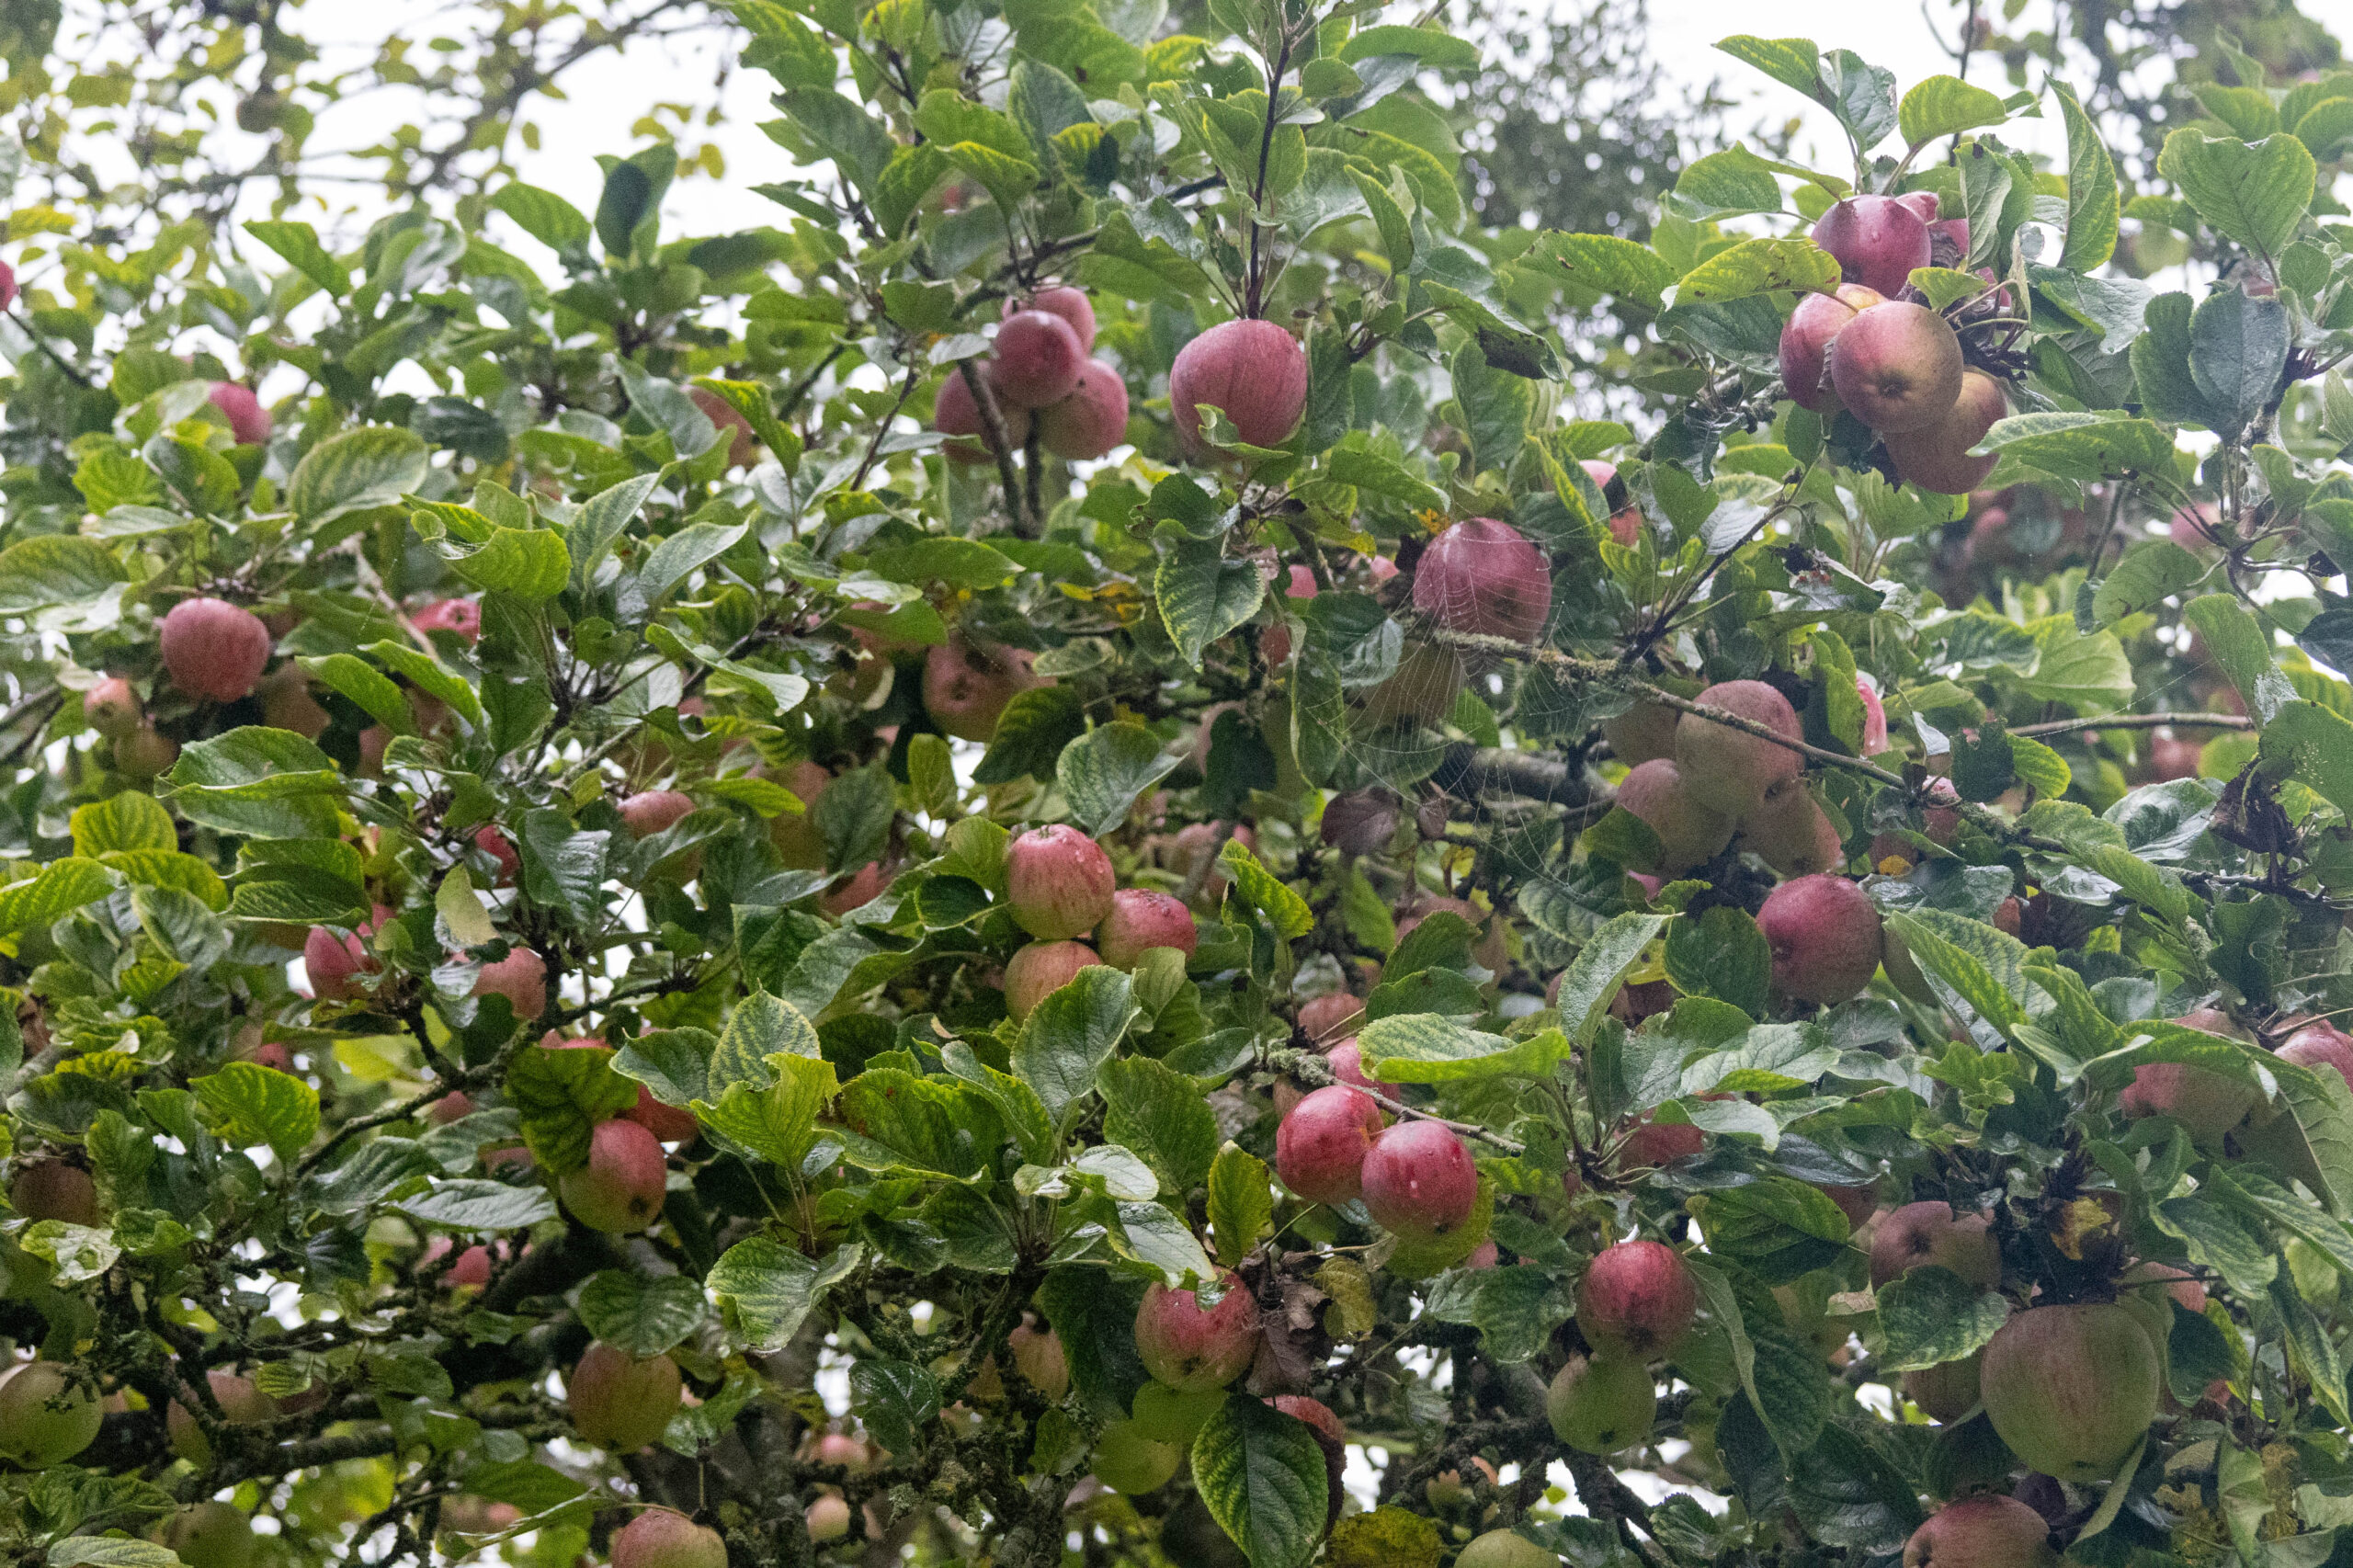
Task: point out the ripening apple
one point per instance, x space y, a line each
1644 732
1874 717
742 446
1877 240
1326 1017
1193 1348
1625 519
112 709
1728 770
210 1535
956 413
661 1537
1419 1182
1937 457
620 1401
1037 360
1252 371
1948 1390
2071 1389
2318 1045
1039 969
1929 1232
1824 936
213 650
1504 1549
502 851
1805 344
827 1517
1071 304
1485 577
1653 1142
1897 367
1600 1405
45 1417
2206 1104
249 422
1982 1531
620 1188
459 618
522 978
1321 1145
1039 1354
1133 1464
1691 833
52 1189
967 687
329 962
1058 883
1090 422
145 753
1637 1300
1790 832
654 811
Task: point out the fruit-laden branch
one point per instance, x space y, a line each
1490 771
1310 1067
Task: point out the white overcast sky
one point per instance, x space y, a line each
607 96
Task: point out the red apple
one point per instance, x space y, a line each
1485 577
1071 304
954 411
1636 1299
1728 770
1877 240
213 650
1038 360
1090 422
620 1188
1320 1145
1039 969
51 1189
1141 920
1193 1348
1982 1531
1253 372
1824 936
1058 883
112 709
1419 1182
967 687
621 1402
1919 1235
248 420
662 1539
1897 367
1938 458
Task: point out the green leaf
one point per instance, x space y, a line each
766 1290
1162 1116
644 1315
2151 571
128 821
425 671
1428 1048
1105 771
367 685
57 889
1795 62
55 569
546 217
1498 407
298 244
1946 106
373 466
2254 194
2238 348
260 1105
530 563
1262 1475
1241 1204
1606 263
1067 1038
1202 595
1963 953
1931 1316
562 1095
1593 980
481 1204
1720 954
1287 912
761 1028
2082 446
1515 1309
967 564
1759 267
2238 642
2092 197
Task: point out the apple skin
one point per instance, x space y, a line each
111 707
1644 732
1936 457
1825 934
1193 1349
1877 240
1659 1144
827 1519
1039 969
1600 1405
742 447
1419 1182
1324 1019
1729 770
654 811
45 1418
1690 832
660 1538
1038 360
955 412
620 1189
213 650
1897 367
329 962
1320 1145
1504 1549
501 848
144 754
1058 883
966 687
1485 577
668 1123
2071 1389
1091 421
1141 920
1947 1392
210 1534
1252 370
1929 1232
1636 1300
620 1402
1625 519
1805 344
249 422
459 618
55 1190
1071 304
1133 1464
1039 1356
1874 717
1791 834
2320 1045
522 978
2206 1104
1983 1531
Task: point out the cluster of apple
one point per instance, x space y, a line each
1700 786
1062 890
1892 363
1039 372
